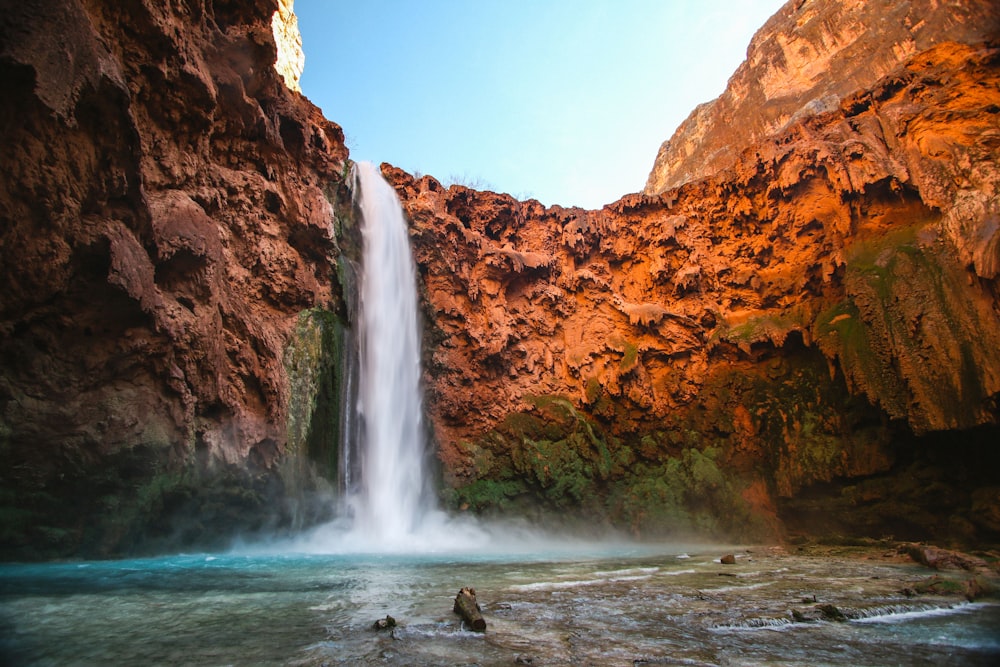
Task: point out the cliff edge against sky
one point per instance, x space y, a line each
804 61
814 315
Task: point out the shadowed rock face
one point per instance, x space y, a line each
789 320
165 220
804 61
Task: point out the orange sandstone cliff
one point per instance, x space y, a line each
804 61
814 318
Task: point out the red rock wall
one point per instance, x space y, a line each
804 61
867 234
166 216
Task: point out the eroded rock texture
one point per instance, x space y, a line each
803 336
166 219
804 61
699 357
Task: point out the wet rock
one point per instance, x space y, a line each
945 559
387 623
831 613
978 587
728 559
807 615
935 585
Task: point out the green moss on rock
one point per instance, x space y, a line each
912 335
485 494
557 458
313 367
771 328
692 493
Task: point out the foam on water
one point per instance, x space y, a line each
902 613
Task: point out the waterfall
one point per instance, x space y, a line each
387 503
391 498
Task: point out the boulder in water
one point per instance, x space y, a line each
387 623
831 613
944 559
977 587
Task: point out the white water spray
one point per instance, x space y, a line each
393 498
391 505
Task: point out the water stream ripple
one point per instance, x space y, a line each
610 606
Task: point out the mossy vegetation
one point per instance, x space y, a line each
909 334
757 430
860 337
630 355
485 495
313 365
771 328
691 494
558 459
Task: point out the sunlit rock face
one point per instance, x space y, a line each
167 216
804 61
699 357
288 40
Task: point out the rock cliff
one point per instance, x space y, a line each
805 60
804 338
702 357
288 41
168 245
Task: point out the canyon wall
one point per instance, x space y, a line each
711 357
168 244
802 338
807 58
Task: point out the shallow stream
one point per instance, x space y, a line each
604 606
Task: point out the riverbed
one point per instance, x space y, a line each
601 605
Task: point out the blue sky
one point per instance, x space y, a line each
563 101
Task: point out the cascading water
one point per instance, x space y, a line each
392 498
387 503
